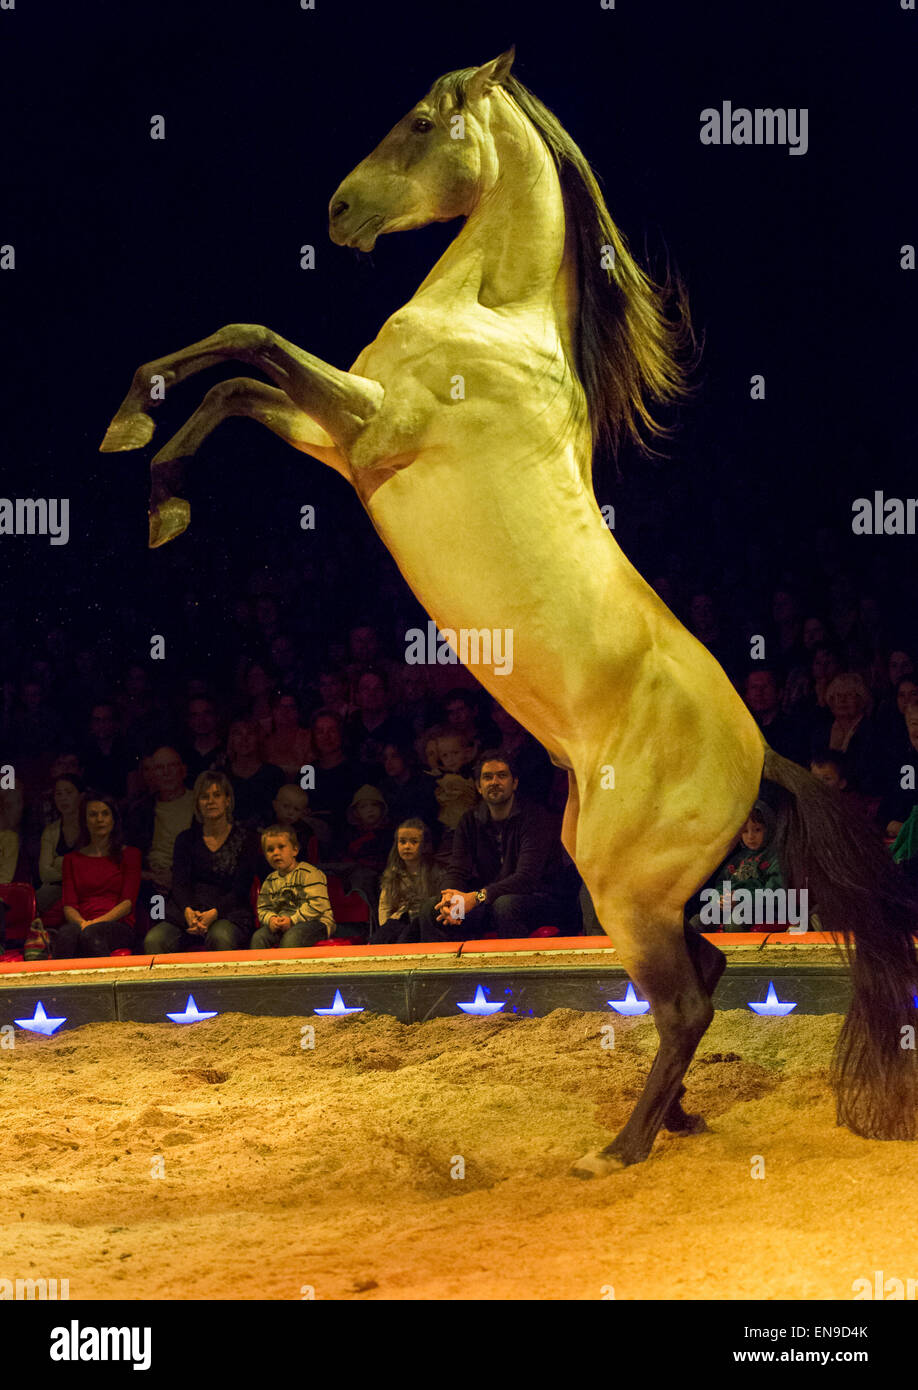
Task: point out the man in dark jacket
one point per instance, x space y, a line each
508 872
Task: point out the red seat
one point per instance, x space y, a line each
123 951
545 931
347 908
20 909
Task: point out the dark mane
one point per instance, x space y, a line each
634 341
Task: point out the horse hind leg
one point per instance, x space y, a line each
663 966
709 965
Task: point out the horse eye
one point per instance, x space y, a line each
422 125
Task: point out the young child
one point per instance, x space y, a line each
369 815
293 907
409 878
455 790
752 864
291 808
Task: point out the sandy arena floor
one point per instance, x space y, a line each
285 1168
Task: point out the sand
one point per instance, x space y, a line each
290 1172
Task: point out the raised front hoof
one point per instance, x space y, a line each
168 520
131 431
597 1165
685 1124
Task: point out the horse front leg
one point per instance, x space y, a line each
339 405
169 513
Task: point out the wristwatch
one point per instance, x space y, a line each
481 896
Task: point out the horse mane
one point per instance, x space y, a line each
633 336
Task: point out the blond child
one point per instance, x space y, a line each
293 907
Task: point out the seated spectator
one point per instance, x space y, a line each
34 728
783 732
848 728
105 756
536 770
333 693
287 665
507 871
59 838
815 634
831 768
900 795
64 765
293 906
410 877
255 782
154 823
288 746
898 666
463 717
14 867
291 810
140 715
100 885
825 665
406 790
414 704
904 849
373 726
370 841
257 693
752 864
204 748
336 776
214 865
454 789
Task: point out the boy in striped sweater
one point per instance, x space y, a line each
293 907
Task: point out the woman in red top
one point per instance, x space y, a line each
101 883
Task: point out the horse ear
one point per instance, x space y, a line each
492 74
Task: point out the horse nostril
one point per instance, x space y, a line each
338 208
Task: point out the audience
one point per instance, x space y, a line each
326 747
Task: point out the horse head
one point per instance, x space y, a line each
432 166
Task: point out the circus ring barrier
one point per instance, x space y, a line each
416 1150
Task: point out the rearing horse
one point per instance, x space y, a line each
480 402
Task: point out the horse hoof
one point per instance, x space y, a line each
127 432
597 1165
688 1124
168 520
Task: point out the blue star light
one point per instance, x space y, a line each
630 1004
479 1005
337 1009
772 1004
40 1022
192 1013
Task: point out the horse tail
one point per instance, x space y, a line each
862 896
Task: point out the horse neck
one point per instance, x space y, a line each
515 234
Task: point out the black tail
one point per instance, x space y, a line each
863 896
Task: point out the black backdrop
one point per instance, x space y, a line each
129 248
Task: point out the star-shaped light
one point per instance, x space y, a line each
630 1004
192 1013
772 1004
479 1005
40 1022
337 1009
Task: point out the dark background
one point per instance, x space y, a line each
129 248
